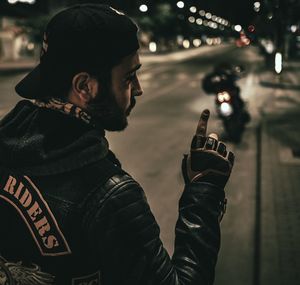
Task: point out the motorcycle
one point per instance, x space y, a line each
230 107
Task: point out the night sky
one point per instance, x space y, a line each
236 11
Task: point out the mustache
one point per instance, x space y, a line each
132 102
131 106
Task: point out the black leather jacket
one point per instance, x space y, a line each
69 214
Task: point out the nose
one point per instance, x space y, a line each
137 89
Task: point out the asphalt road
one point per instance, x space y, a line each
159 132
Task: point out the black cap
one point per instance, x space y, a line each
86 37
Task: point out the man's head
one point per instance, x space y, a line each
109 98
89 53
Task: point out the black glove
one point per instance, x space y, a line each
209 161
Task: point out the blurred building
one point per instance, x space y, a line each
21 25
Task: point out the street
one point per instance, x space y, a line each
160 130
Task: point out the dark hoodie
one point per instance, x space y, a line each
59 160
39 141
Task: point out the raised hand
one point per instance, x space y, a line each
208 161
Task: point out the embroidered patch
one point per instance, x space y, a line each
24 196
16 273
93 279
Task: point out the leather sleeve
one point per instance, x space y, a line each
125 235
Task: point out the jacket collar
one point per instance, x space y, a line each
65 108
49 139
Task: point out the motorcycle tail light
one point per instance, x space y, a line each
223 96
226 109
220 97
226 96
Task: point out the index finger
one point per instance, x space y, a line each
202 124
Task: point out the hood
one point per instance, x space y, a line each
39 141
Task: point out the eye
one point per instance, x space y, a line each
131 77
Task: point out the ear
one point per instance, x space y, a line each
84 89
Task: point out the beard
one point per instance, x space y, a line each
106 112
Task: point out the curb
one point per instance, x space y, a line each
10 68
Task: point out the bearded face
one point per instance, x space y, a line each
116 95
106 111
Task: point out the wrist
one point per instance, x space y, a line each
217 179
208 193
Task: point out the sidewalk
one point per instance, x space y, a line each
12 67
279 249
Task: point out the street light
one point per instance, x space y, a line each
209 41
143 8
186 44
180 4
197 42
199 21
256 6
208 15
212 25
193 9
152 47
223 22
202 13
278 62
191 19
238 28
294 28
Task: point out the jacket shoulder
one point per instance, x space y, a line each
117 183
110 181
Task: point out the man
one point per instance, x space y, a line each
69 213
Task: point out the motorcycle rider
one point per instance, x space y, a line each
223 77
69 213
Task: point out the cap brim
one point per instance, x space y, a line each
30 86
